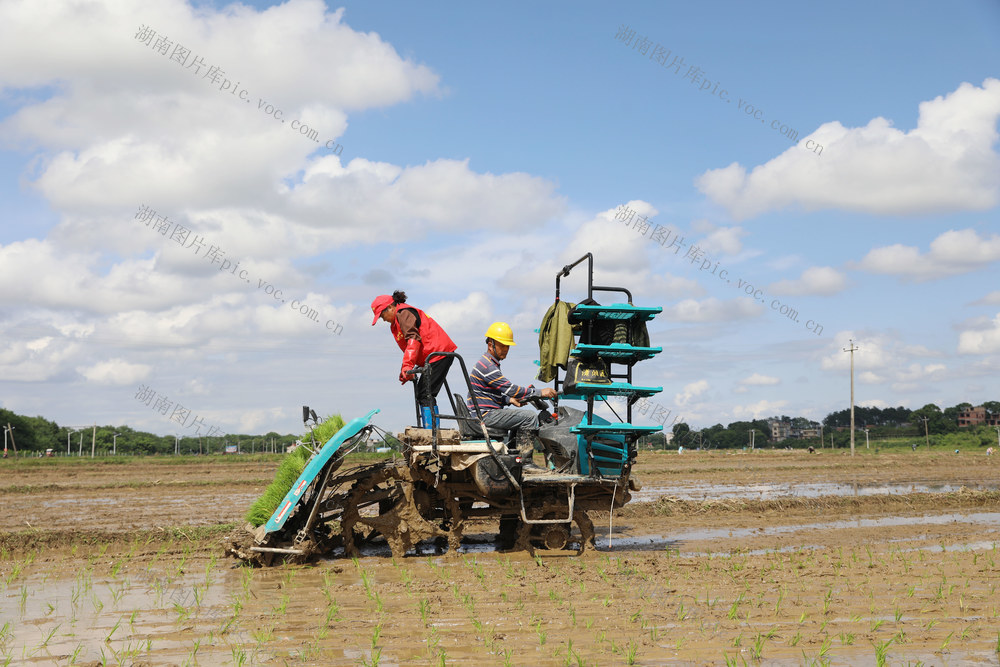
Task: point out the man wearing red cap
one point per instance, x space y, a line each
417 336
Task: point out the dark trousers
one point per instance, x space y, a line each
430 383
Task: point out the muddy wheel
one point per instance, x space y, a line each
554 536
410 511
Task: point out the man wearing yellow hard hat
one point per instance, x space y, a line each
494 392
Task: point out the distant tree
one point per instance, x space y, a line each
937 422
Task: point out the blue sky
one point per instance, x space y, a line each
483 148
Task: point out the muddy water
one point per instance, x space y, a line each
788 580
804 490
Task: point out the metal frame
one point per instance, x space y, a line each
627 375
475 404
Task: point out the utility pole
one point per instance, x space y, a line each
10 429
821 442
927 437
852 349
93 441
69 432
114 444
79 452
866 438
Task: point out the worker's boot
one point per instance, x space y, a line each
526 448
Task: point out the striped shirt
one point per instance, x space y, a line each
491 389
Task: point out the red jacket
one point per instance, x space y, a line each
432 336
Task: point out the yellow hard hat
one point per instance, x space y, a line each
501 333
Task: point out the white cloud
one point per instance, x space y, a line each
474 313
884 358
713 310
868 377
762 408
115 372
719 240
691 391
816 280
951 253
35 360
981 341
947 163
759 380
991 299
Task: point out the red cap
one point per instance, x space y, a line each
379 304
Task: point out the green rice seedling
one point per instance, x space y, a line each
777 604
332 613
965 633
735 608
23 601
846 638
193 655
376 658
282 604
366 580
827 599
114 629
897 613
881 652
876 624
48 637
237 605
758 646
796 638
76 654
14 573
183 613
824 648
291 466
738 640
239 656
631 653
263 635
946 642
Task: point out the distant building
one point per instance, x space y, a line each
976 416
780 430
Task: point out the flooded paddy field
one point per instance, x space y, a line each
766 557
